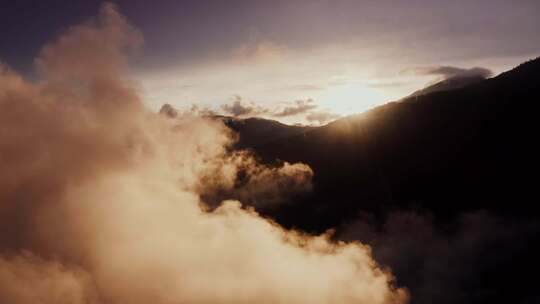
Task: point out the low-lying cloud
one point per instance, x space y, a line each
240 177
298 107
240 108
448 265
100 198
303 107
447 72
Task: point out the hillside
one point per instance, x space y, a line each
446 152
449 84
442 186
257 131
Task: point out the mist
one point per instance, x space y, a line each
101 199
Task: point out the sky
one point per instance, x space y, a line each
315 59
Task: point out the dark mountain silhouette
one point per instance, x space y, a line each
445 151
252 131
257 131
447 154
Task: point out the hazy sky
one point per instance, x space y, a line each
344 55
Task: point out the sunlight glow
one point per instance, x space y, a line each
352 98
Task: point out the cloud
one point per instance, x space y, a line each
110 29
168 111
100 198
254 184
447 72
298 107
321 117
240 108
449 78
171 112
202 111
50 281
440 265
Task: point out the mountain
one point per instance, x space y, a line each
444 184
446 151
251 131
257 131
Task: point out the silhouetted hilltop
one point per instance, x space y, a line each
257 131
252 131
452 83
442 185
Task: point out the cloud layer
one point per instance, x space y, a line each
306 108
100 198
447 72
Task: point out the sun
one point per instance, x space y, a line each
353 98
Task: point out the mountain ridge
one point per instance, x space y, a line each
427 133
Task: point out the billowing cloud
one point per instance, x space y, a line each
202 111
27 278
171 112
254 184
240 108
100 198
168 111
